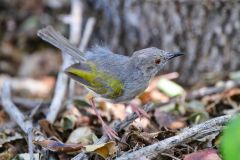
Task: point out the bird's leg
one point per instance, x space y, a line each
139 111
108 130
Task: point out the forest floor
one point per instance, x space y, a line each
184 122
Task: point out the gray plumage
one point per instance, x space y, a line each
134 72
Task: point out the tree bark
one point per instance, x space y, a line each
207 31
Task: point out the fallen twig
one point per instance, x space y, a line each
12 109
213 90
16 114
34 87
28 103
59 93
62 80
30 143
74 20
87 33
154 149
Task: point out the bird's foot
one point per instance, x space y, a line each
108 130
112 134
139 111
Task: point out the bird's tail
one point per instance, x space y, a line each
50 35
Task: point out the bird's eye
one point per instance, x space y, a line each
157 61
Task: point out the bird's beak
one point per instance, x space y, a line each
171 55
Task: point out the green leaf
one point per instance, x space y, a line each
30 23
79 103
169 88
68 121
199 113
230 142
235 75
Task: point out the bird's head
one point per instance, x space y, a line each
151 60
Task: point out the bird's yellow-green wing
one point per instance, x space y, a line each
102 83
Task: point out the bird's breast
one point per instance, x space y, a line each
133 86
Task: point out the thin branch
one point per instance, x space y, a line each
213 90
59 93
12 109
81 156
87 33
75 33
153 150
28 103
74 20
30 144
62 80
35 87
16 114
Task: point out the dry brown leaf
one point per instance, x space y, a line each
153 84
70 118
165 119
136 137
105 150
207 154
3 117
152 92
81 118
9 153
232 97
142 122
157 96
82 135
48 128
57 146
118 110
145 97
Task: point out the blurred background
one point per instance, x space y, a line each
207 31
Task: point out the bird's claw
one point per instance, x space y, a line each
112 134
139 111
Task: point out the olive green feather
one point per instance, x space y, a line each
98 81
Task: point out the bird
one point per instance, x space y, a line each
114 77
